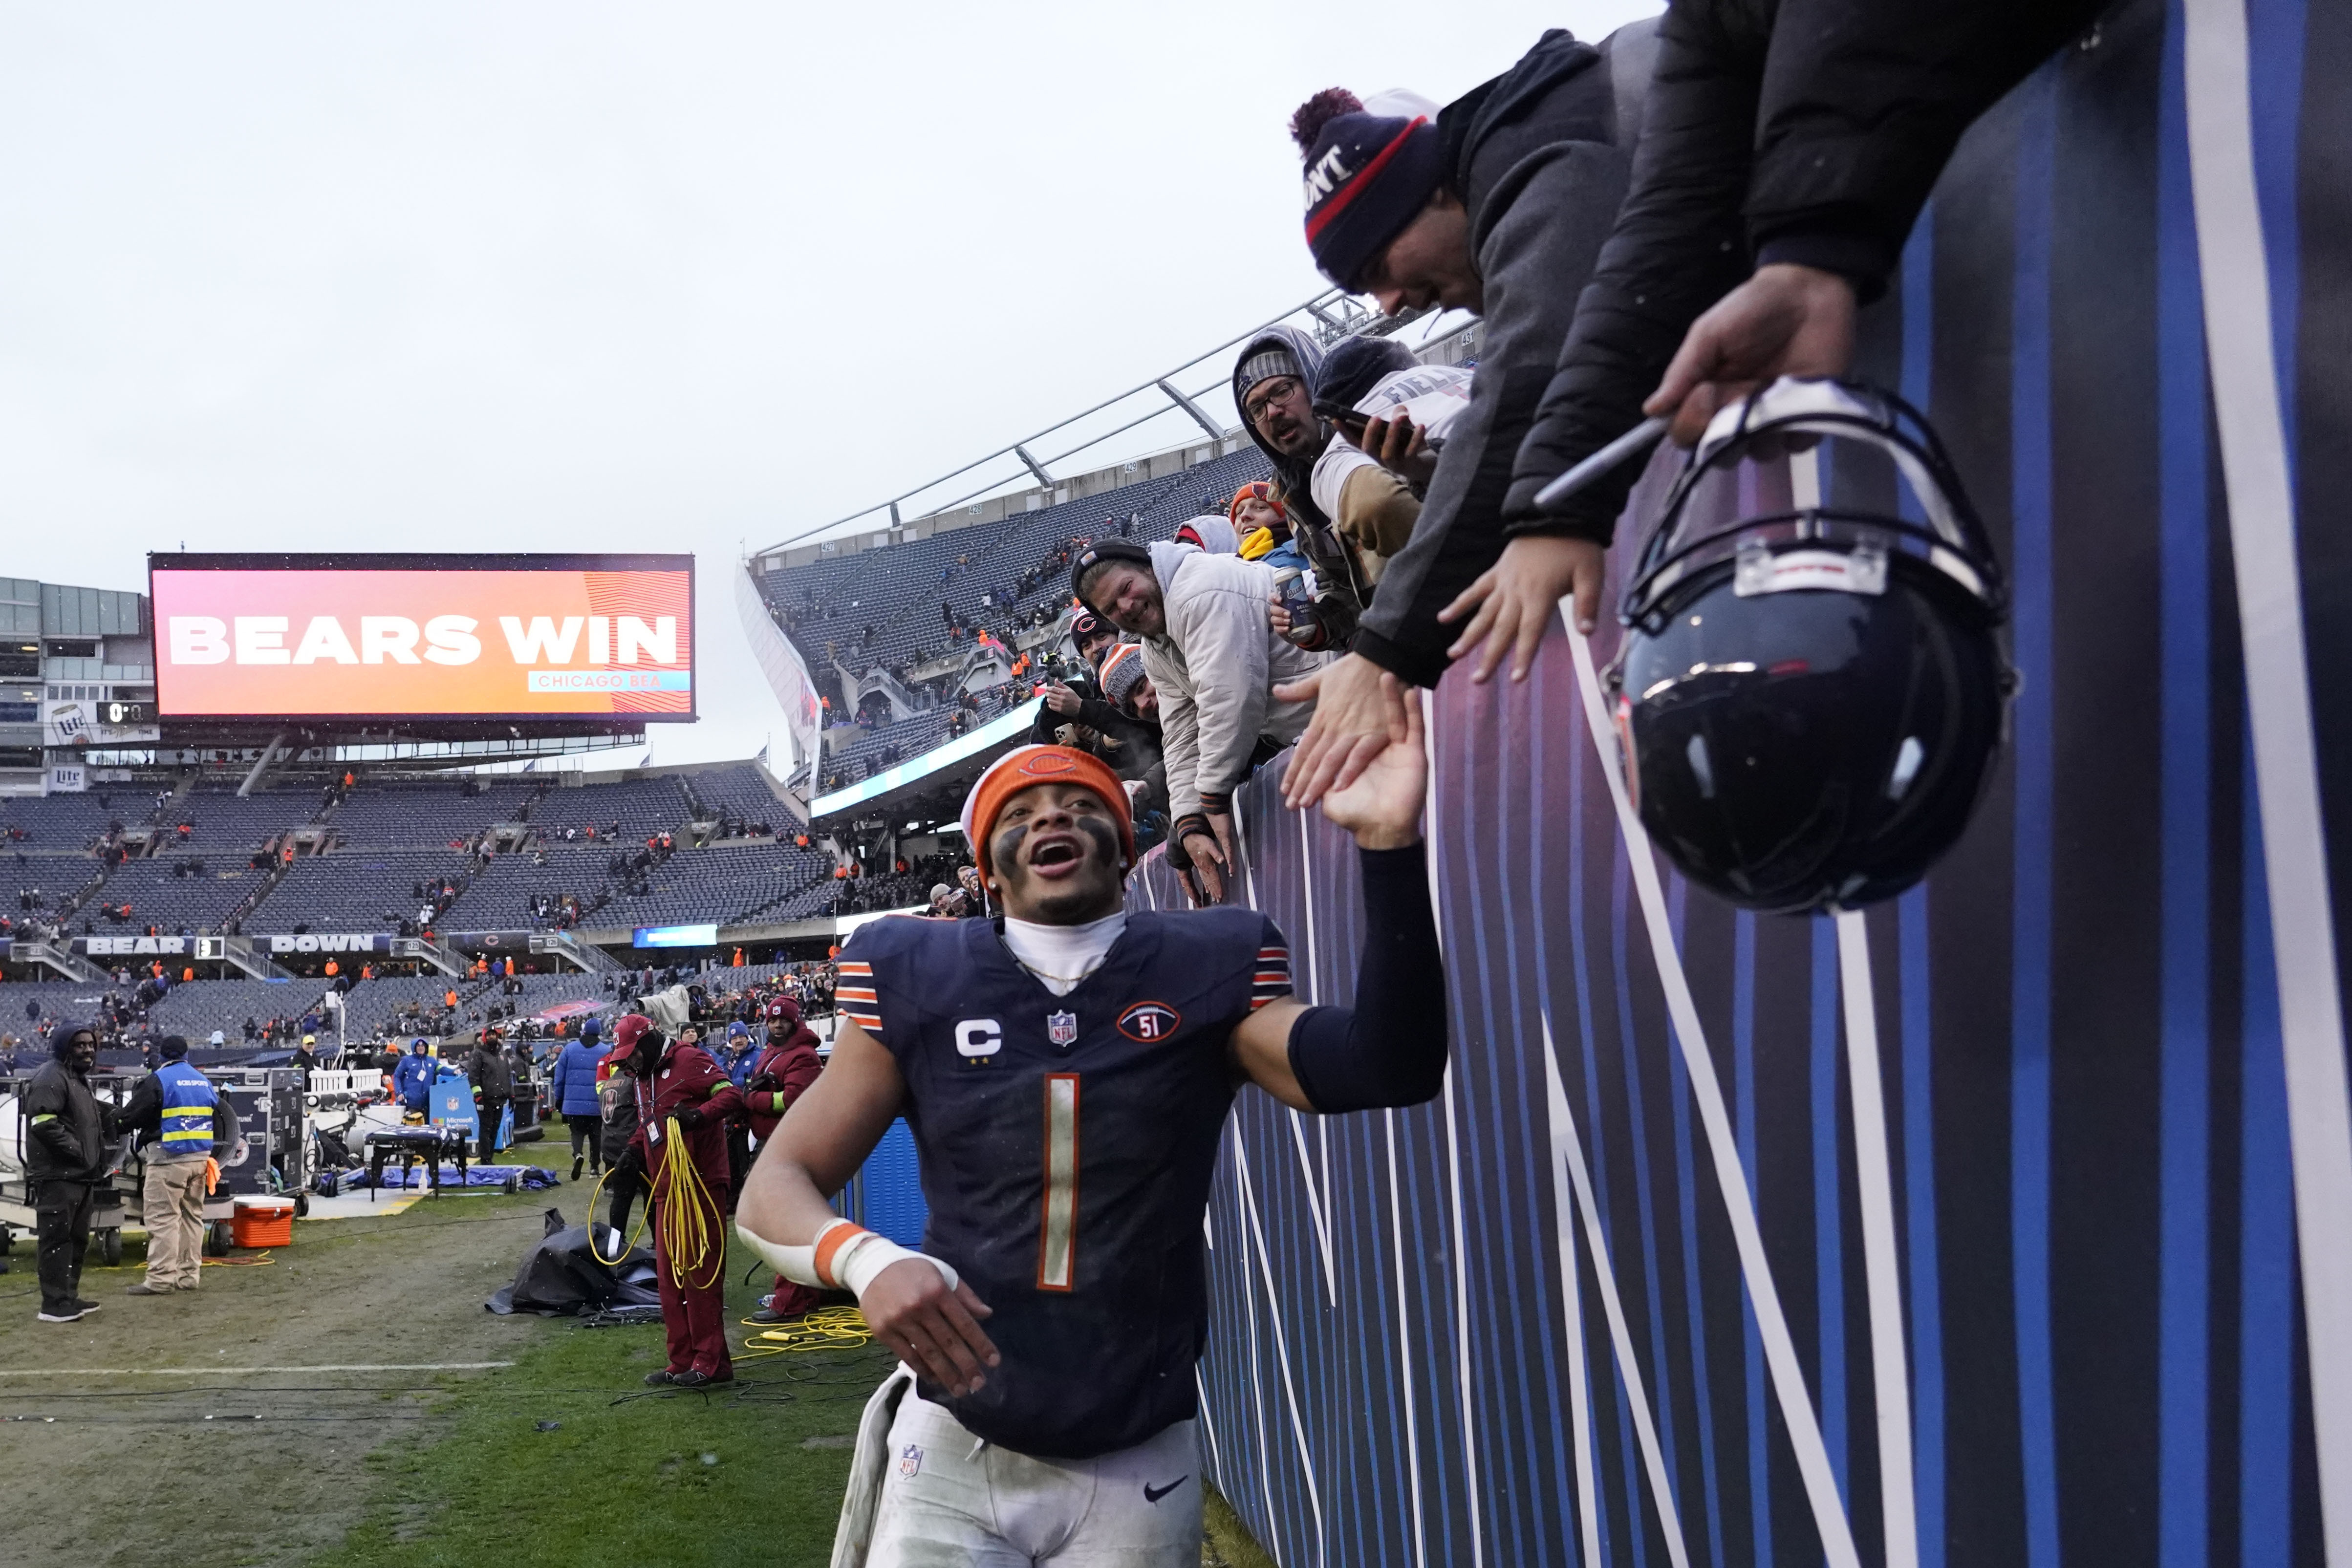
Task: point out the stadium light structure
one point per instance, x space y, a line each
1329 316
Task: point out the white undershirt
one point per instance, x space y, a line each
1062 956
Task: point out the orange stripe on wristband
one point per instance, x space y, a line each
830 1246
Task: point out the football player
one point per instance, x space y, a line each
1066 1070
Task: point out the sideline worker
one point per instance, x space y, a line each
412 1080
616 1091
493 1075
786 1068
683 1103
66 1159
184 1125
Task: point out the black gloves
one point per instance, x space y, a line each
691 1117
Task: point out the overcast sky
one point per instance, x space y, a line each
577 276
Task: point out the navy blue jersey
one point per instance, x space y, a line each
1066 1144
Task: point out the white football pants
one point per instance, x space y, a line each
949 1498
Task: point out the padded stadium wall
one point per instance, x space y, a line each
2045 1303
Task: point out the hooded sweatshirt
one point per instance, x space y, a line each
1214 666
1216 534
1336 553
1540 157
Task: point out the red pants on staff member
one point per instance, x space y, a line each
694 1314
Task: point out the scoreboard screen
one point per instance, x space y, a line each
419 636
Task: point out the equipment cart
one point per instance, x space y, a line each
270 1154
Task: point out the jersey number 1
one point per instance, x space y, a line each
1057 1239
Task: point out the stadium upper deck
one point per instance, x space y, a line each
716 845
885 610
826 605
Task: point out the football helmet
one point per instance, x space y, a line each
1809 696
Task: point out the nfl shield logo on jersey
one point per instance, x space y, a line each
910 1461
1061 1029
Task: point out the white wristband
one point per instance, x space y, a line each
861 1259
855 1261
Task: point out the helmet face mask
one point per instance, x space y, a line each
1809 698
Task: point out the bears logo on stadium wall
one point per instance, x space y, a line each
1149 1021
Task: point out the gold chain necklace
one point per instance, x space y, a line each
1044 974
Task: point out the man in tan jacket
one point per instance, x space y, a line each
1214 657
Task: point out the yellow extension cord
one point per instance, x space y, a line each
593 1193
686 1219
687 1235
826 1328
689 1222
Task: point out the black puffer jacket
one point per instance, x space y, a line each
1540 157
1776 131
493 1072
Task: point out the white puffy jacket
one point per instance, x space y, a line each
1214 667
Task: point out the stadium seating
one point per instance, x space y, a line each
63 822
374 1004
867 752
642 807
500 898
898 589
825 605
54 1000
724 883
415 814
740 790
173 902
867 895
225 822
541 992
195 1010
352 889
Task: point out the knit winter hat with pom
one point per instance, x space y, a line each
1367 176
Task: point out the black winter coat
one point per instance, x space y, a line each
1540 157
493 1074
71 1129
1775 130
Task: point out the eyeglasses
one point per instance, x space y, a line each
1273 389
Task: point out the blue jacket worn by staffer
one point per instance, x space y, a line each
412 1080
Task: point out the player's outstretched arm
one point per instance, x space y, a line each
914 1304
1390 1047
